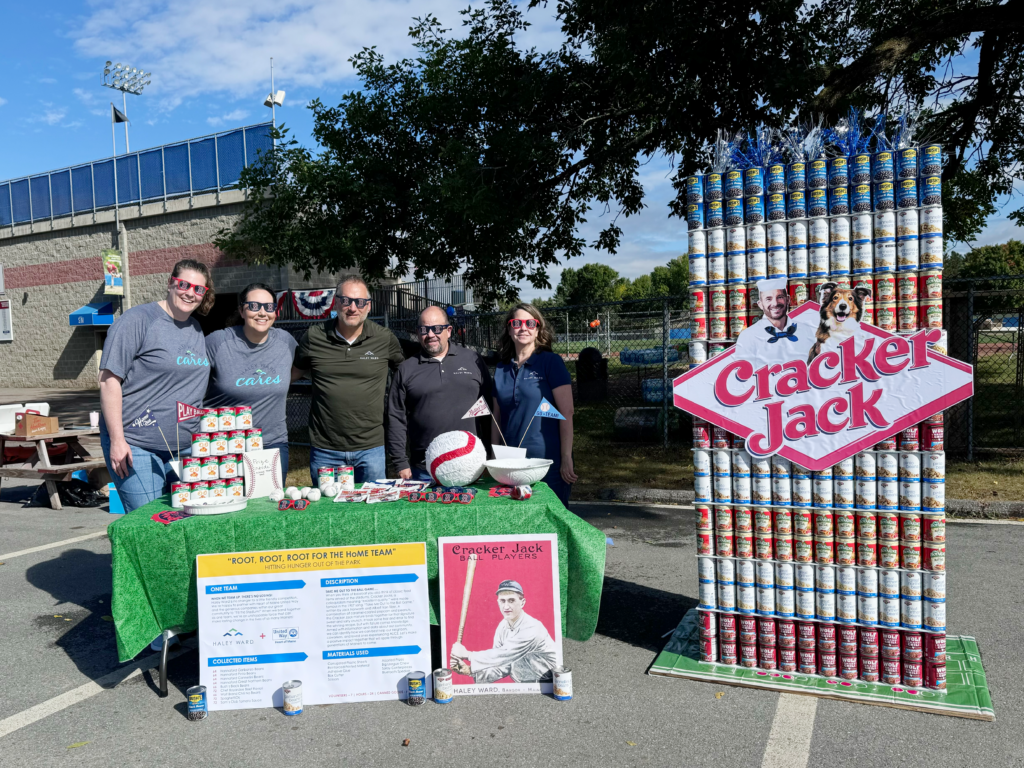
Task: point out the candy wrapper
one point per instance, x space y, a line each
350 496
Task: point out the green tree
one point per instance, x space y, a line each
590 284
995 261
478 155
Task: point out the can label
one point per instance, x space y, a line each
781 491
753 209
444 687
776 265
825 607
888 612
931 221
724 543
933 557
736 267
817 174
931 190
911 585
838 200
197 704
694 189
933 528
861 194
738 299
716 268
885 257
882 166
910 554
726 596
698 270
907 193
292 691
697 243
888 554
911 614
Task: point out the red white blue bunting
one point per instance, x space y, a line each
313 305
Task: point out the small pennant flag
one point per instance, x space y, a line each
144 420
479 409
186 411
547 411
117 116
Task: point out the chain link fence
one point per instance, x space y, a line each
983 318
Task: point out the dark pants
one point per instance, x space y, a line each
283 448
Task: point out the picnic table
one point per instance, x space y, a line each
38 464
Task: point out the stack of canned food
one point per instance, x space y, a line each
858 549
870 220
214 470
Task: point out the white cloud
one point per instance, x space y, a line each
231 117
48 80
52 115
195 47
2 101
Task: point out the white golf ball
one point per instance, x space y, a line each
314 494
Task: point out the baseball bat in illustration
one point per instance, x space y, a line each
466 592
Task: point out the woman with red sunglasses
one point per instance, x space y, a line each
154 356
529 370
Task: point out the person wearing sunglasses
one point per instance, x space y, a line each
251 364
529 370
431 392
154 356
348 360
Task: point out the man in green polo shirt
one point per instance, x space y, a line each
348 361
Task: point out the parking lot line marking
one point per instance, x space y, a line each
81 693
789 742
55 544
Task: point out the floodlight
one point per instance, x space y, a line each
107 64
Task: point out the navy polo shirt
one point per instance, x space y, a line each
519 392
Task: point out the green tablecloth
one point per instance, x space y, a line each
154 564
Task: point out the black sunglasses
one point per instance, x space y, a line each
437 329
255 306
360 303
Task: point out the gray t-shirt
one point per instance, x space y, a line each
243 373
160 362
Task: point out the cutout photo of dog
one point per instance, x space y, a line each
841 311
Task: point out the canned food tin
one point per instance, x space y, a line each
787 659
839 230
796 176
764 546
724 543
219 443
908 439
723 519
705 542
930 251
825 606
930 313
906 163
846 551
806 635
744 545
933 527
910 526
737 300
785 575
885 316
181 494
817 233
728 653
736 267
699 349
913 646
906 287
824 522
707 622
292 694
934 584
891 673
911 614
865 494
888 611
867 552
805 574
825 578
698 270
200 445
885 288
699 303
863 260
444 687
767 658
748 655
848 666
818 261
746 599
765 601
753 209
887 465
785 602
888 554
846 579
846 608
867 527
861 198
701 434
796 205
935 648
737 324
907 254
209 468
762 520
709 649
930 190
776 264
883 196
839 259
842 497
888 492
721 462
869 669
695 215
743 520
718 328
803 522
935 676
701 466
782 521
199 490
717 268
253 440
930 285
885 257
798 293
910 465
913 674
824 550
803 549
697 244
695 189
745 572
933 556
726 596
911 584
910 495
817 203
805 603
228 467
706 569
733 212
907 193
707 595
807 662
781 491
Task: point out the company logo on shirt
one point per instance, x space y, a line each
463 371
258 378
142 421
370 356
187 357
533 376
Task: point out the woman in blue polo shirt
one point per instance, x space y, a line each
529 370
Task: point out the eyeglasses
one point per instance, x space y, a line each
360 303
437 329
299 504
516 323
184 285
255 306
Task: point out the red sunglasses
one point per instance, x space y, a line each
299 504
185 285
516 323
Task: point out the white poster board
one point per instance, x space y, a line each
6 324
349 622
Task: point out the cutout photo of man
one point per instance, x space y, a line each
777 337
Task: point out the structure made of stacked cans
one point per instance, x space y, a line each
839 573
872 220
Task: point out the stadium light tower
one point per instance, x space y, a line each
127 80
276 98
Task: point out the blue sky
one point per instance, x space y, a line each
211 71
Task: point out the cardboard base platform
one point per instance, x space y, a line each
966 692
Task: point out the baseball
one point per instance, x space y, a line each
314 494
456 458
294 494
304 491
277 495
289 489
330 490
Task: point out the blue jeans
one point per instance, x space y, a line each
283 448
147 477
420 474
368 464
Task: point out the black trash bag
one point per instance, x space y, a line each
74 493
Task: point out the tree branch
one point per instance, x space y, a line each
929 30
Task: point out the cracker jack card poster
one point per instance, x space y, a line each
501 628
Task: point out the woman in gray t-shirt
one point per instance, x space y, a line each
251 364
154 356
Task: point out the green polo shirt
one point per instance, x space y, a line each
349 380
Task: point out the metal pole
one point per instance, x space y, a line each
124 101
216 162
113 139
974 362
664 374
49 186
10 198
138 167
71 187
163 175
273 104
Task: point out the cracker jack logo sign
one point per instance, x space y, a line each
839 388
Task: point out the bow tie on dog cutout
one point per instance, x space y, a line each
789 333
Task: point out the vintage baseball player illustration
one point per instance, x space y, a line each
500 612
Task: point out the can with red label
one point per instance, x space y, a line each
723 520
845 523
228 467
253 440
709 649
935 676
845 551
888 525
698 332
766 631
199 491
933 527
180 495
848 666
748 655
907 287
907 316
933 556
784 548
910 555
226 419
703 514
243 417
869 669
913 673
762 520
209 468
891 640
932 436
803 549
218 489
744 546
935 648
720 437
705 542
724 544
910 526
828 663
888 554
236 441
701 434
803 522
807 661
891 673
190 469
767 658
869 641
718 325
742 520
738 298
866 524
782 521
797 292
885 288
847 640
824 550
737 323
719 302
867 553
787 659
200 445
824 522
885 316
929 286
747 626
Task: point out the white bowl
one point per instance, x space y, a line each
518 471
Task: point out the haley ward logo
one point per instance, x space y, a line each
232 633
370 356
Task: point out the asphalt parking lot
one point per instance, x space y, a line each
55 642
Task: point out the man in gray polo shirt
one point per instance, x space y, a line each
431 392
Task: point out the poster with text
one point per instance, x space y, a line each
349 622
501 613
